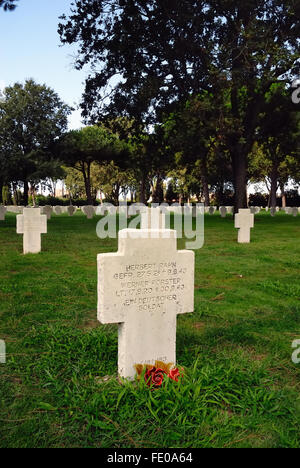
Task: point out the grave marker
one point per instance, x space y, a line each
31 224
143 287
89 211
2 212
57 210
223 211
71 210
47 210
244 221
295 211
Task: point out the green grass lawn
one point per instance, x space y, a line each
59 387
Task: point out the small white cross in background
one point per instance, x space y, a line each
244 221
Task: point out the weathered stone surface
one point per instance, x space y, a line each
255 210
15 209
47 210
294 211
230 209
244 221
89 211
31 224
71 210
223 211
3 210
142 288
57 210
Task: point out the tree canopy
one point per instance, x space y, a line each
8 5
32 117
149 56
81 148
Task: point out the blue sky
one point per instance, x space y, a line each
30 48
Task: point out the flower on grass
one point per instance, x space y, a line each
174 374
155 377
155 374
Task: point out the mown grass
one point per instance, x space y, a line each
59 387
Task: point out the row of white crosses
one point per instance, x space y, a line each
90 211
32 224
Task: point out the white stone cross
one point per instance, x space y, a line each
57 210
143 287
230 209
89 211
71 210
31 224
244 221
47 210
2 212
223 211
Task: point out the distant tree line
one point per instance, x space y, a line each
187 100
181 159
211 60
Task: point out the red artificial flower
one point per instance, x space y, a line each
174 374
155 377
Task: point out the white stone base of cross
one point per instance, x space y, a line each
143 287
31 224
244 221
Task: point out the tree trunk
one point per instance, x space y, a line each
26 190
283 196
274 183
239 163
1 187
32 193
87 182
15 194
116 194
142 194
220 194
158 194
205 190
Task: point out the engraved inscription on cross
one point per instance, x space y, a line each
244 221
31 224
143 287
